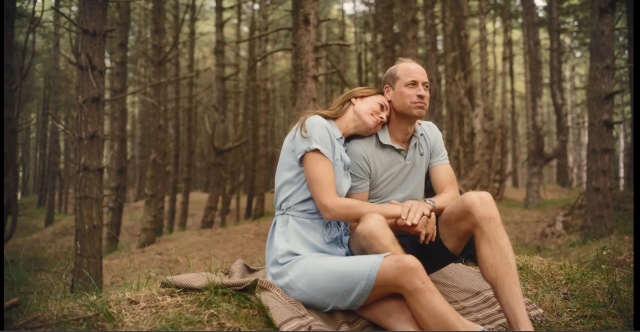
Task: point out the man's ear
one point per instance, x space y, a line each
387 92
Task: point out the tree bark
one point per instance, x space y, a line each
219 136
250 105
41 182
143 128
630 170
373 28
189 158
598 212
87 270
10 123
515 163
118 128
484 125
435 80
408 24
53 170
535 147
175 123
153 214
557 94
263 114
387 36
305 44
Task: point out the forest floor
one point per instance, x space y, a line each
580 283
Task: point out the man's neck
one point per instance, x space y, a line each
400 130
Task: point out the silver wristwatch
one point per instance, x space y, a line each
431 202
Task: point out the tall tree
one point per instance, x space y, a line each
629 171
143 128
262 114
175 121
536 156
251 103
563 177
87 269
118 127
153 215
486 121
219 135
408 24
431 61
53 169
188 121
306 16
600 146
507 20
374 22
10 122
384 12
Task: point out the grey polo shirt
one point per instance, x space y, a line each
389 172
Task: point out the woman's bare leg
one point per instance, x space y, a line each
404 275
391 313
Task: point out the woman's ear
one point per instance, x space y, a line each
353 101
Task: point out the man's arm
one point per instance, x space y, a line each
445 186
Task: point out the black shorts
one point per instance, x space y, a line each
433 256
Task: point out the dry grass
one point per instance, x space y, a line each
581 284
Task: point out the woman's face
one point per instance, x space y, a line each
373 112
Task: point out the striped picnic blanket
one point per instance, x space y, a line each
464 288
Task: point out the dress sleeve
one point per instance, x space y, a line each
317 137
360 168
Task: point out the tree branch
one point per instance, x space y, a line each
264 56
263 34
327 73
335 43
166 80
614 93
69 19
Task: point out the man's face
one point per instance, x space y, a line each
411 94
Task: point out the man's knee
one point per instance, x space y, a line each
480 205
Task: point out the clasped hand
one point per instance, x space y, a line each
418 219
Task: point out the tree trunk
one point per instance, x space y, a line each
557 94
153 214
25 160
484 121
143 127
373 28
535 147
629 171
387 35
306 39
118 128
431 54
41 182
250 105
219 135
10 122
598 211
175 124
87 270
357 36
263 114
408 24
188 120
53 171
515 152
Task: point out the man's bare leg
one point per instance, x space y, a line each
475 213
391 313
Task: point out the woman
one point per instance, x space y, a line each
308 252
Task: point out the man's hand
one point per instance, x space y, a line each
428 233
412 212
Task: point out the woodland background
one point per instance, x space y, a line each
112 102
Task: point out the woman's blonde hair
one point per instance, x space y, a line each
339 106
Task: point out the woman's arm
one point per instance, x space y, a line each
318 171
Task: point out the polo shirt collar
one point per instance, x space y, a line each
383 135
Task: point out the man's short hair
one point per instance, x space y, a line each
391 75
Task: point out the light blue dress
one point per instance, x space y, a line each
308 256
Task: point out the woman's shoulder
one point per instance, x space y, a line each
316 121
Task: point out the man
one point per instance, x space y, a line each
392 165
